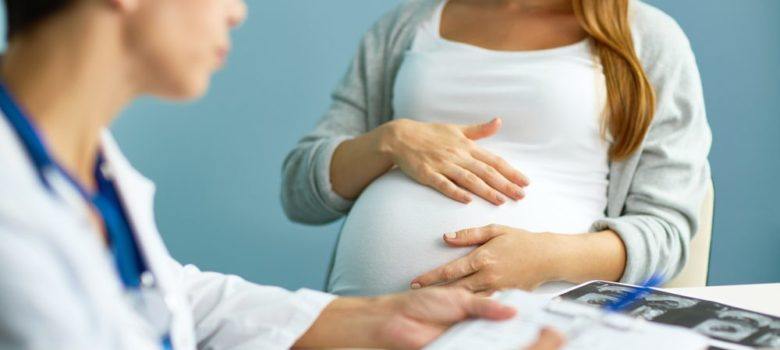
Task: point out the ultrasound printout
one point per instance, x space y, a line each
717 321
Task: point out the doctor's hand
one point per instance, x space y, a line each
446 158
506 258
419 317
548 340
422 316
408 320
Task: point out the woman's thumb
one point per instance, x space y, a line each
481 131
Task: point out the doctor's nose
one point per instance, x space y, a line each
237 13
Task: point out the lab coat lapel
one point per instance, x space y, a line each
137 196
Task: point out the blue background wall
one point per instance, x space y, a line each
737 44
217 162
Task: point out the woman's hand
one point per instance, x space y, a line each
506 258
446 158
514 258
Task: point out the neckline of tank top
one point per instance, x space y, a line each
434 28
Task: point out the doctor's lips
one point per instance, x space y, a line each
222 54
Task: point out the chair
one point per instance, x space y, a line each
694 274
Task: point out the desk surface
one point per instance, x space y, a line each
763 298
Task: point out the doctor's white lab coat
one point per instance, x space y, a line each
59 288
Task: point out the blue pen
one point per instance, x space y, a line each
618 305
630 298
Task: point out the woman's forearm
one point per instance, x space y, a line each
358 162
591 256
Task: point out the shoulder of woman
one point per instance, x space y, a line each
401 19
670 64
658 38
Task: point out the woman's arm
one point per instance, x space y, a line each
333 164
357 162
357 106
655 196
591 256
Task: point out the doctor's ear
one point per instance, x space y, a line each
124 5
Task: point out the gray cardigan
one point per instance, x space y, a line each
654 196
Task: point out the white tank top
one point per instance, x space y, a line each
551 102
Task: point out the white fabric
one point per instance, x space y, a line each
551 102
59 288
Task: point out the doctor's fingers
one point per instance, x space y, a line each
486 293
548 340
450 272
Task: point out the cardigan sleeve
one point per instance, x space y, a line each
671 176
358 105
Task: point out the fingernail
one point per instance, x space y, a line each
416 285
508 308
499 199
450 236
520 194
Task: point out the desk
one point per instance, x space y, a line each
763 298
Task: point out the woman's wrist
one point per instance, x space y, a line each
359 161
386 138
558 248
589 256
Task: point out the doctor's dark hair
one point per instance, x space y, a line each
23 15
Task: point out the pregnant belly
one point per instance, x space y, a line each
394 231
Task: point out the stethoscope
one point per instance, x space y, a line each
141 289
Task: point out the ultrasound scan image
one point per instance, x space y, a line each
715 320
596 299
770 339
655 305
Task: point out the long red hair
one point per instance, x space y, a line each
630 97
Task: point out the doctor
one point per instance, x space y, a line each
82 265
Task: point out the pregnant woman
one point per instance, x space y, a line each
508 144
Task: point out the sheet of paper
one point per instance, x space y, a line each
535 312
